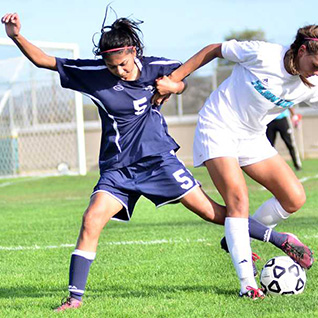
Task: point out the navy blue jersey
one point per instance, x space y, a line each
132 128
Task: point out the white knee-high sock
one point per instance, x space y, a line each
238 242
270 213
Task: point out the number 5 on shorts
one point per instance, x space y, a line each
186 182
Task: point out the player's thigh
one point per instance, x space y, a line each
101 209
228 178
276 176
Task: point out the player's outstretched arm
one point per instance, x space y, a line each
32 52
201 58
173 83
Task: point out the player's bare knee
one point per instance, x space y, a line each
238 205
295 203
92 222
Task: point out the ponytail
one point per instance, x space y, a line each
307 36
123 34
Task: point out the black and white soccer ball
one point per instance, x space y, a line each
282 276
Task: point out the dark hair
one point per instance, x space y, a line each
123 32
302 38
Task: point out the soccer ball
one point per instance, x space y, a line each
282 276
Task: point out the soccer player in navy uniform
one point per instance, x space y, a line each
137 155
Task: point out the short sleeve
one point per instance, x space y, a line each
63 72
79 75
240 51
171 66
165 66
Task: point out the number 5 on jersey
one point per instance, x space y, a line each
140 105
186 182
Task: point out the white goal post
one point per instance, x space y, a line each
41 124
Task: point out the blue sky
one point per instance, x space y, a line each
174 29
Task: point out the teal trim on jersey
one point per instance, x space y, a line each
285 113
283 103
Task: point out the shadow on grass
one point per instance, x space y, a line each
116 292
158 291
30 292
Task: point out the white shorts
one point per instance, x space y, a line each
211 142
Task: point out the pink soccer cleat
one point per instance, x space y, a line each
298 251
69 303
253 293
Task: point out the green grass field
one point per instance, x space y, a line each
163 263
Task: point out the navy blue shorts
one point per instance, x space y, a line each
162 179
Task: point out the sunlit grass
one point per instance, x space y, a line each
163 263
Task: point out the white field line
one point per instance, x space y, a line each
310 236
308 178
34 247
17 181
154 242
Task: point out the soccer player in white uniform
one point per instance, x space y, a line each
230 135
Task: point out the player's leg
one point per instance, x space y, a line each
101 209
271 132
262 163
173 182
276 176
229 180
289 196
287 134
201 204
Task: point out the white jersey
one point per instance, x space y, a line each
258 89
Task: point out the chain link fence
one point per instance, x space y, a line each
39 121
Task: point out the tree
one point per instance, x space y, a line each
247 35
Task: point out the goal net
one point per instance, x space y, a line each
41 124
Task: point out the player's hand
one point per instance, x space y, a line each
12 24
296 118
166 86
158 99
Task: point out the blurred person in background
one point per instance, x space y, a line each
284 124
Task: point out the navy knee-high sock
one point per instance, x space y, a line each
79 269
261 232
